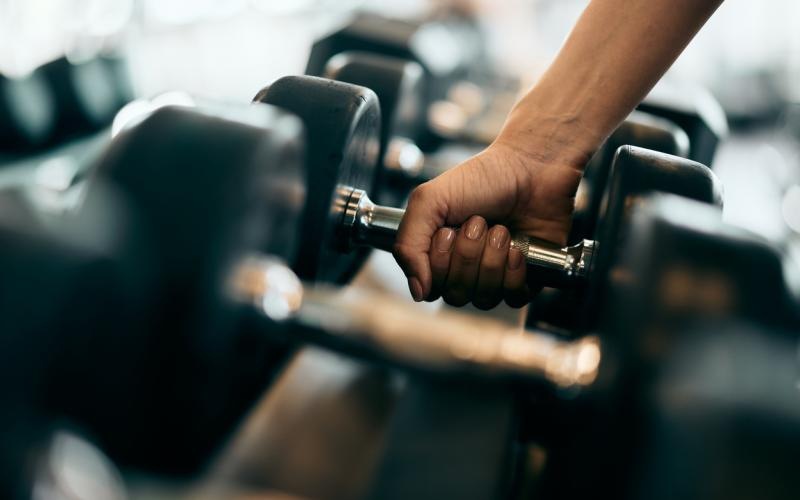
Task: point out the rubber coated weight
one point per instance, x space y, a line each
690 375
342 123
639 129
207 187
398 85
635 172
693 266
60 298
696 111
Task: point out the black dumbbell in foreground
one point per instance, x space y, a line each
198 336
145 360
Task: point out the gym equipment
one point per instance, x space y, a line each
61 100
57 292
142 267
689 264
634 173
341 166
695 110
694 381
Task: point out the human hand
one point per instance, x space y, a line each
454 240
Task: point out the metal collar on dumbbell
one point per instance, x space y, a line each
366 224
573 261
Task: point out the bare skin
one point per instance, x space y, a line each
527 179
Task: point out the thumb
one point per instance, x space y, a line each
425 214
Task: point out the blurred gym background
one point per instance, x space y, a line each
748 55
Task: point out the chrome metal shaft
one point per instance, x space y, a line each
368 224
367 324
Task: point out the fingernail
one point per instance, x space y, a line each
416 289
475 228
498 237
514 259
444 240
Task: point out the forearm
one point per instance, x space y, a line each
615 54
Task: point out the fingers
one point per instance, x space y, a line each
465 262
424 216
489 287
478 266
440 253
516 292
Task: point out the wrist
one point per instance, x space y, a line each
549 132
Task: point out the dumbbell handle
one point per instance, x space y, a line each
370 325
368 224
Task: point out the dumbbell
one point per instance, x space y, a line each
147 345
55 294
61 100
341 122
692 265
397 83
194 277
182 342
185 266
695 110
702 324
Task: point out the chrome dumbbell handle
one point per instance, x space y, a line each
368 324
572 261
367 224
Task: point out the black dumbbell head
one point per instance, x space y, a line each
207 187
635 173
342 124
397 83
695 110
639 129
690 265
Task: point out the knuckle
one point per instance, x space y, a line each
420 194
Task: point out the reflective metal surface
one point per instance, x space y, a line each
573 261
